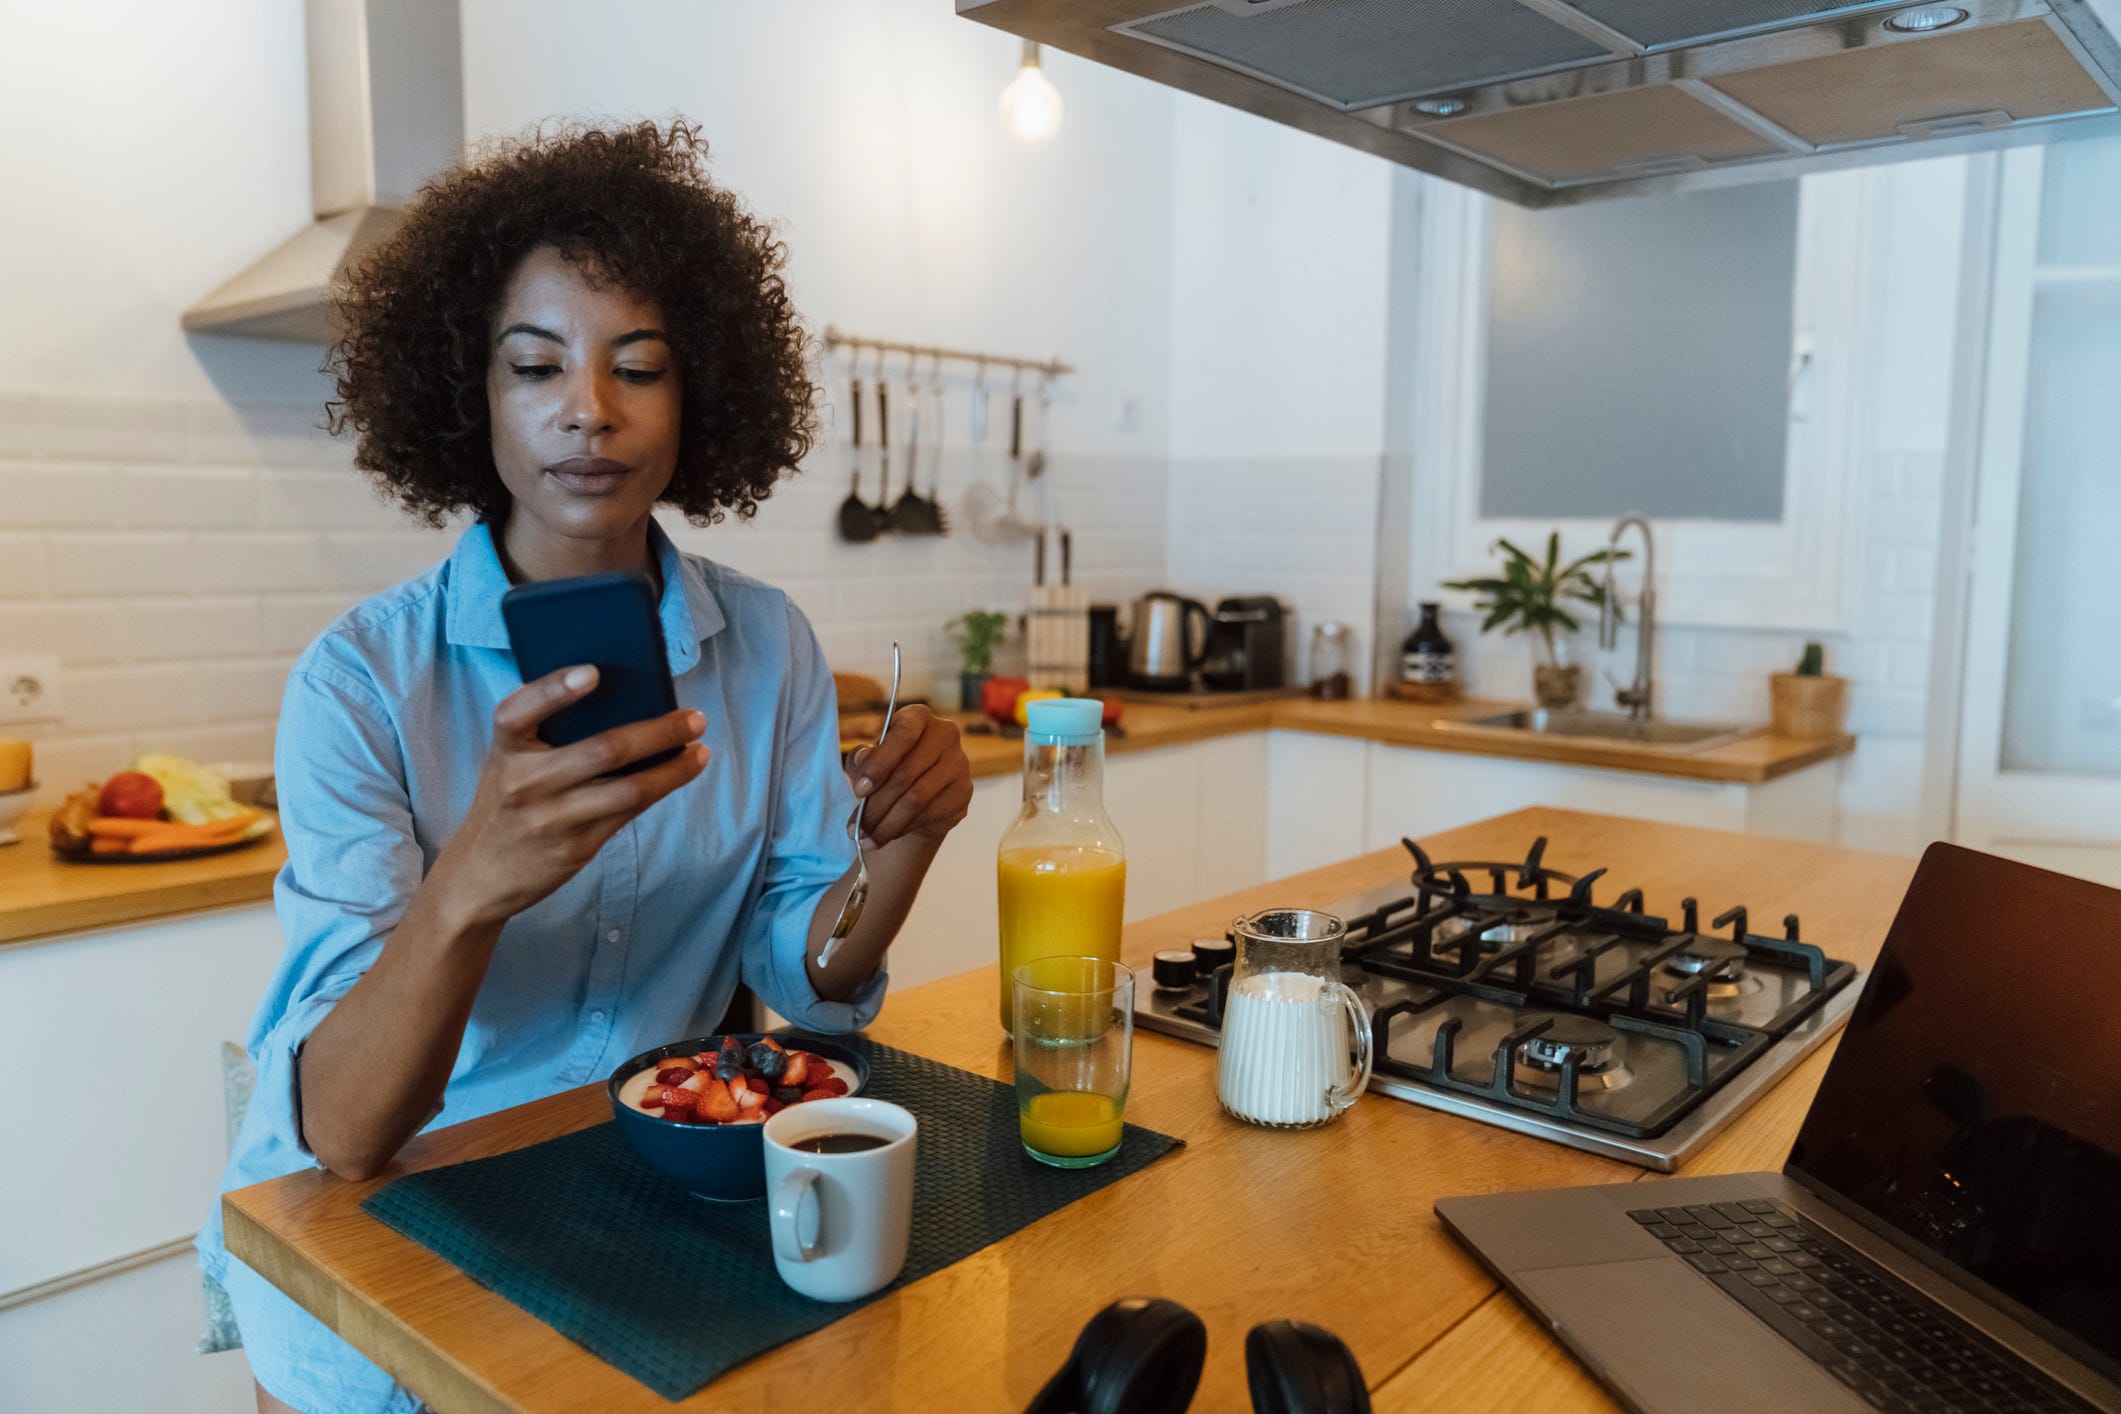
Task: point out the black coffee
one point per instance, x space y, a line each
838 1143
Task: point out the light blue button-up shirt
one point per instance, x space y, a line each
386 724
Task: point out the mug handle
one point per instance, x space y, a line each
1340 1097
789 1244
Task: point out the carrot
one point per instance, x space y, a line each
115 827
108 846
186 836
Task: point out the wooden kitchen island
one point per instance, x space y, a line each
1244 1225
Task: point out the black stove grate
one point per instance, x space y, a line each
1453 940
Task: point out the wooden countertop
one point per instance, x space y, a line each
1243 1224
1750 760
42 894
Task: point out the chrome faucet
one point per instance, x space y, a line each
1639 696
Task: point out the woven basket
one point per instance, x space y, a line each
1809 708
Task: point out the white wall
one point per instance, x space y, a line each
1281 251
1911 272
173 529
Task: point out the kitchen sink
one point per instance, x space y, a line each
1604 726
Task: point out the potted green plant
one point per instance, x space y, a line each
1811 702
1530 595
976 632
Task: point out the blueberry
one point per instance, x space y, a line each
729 1065
788 1094
767 1061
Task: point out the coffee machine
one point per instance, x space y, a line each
1248 646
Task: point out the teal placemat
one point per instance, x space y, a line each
582 1234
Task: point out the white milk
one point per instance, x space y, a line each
1284 1045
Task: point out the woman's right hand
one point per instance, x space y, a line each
542 812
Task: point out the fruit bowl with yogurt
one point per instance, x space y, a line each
693 1109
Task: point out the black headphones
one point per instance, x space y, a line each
1144 1356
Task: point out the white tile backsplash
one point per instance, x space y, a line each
177 556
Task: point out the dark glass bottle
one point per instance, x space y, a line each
1427 657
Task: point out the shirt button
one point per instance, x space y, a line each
596 1016
612 936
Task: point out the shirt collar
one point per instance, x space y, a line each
688 610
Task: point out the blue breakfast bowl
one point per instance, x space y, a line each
724 1162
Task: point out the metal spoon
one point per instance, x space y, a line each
851 910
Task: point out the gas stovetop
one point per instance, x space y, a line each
1504 993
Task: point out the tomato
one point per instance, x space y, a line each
131 795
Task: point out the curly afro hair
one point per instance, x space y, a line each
634 206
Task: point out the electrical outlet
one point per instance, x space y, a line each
29 690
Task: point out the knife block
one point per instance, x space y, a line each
1057 638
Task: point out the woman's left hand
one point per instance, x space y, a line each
917 780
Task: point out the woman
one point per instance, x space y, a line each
558 339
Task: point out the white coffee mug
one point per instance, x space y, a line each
840 1220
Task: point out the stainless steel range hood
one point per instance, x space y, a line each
1545 102
386 111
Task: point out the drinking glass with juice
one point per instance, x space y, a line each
1061 870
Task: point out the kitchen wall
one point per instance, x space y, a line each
1282 252
173 528
1895 469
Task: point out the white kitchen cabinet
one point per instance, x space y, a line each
1417 793
1317 793
110 1057
1193 818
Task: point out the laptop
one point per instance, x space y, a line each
1946 1233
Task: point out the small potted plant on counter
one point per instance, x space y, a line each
1810 703
977 633
1529 595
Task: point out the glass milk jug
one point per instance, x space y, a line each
1061 870
1290 1024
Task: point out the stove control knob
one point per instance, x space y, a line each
1174 969
1211 953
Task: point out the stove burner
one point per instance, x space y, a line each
1588 1039
1448 939
1721 958
1704 954
1539 1060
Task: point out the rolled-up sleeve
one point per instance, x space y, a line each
353 862
808 850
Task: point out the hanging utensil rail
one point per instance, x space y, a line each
1051 367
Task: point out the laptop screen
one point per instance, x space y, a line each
1975 1101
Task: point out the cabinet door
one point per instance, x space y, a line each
1418 793
1154 799
103 1183
1232 826
1317 789
953 923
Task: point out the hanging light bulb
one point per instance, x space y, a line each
1031 105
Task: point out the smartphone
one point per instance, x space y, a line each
609 621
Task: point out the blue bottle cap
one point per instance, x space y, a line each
1064 721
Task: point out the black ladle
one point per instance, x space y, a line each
859 521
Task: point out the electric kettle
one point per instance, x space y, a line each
1170 640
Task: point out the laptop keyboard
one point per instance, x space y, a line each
1894 1347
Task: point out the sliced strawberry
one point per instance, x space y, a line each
769 1041
748 1100
718 1104
703 1061
825 1089
771 1108
678 1104
798 1070
731 1043
697 1082
674 1073
652 1098
757 1085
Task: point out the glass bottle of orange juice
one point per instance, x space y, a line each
1061 868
